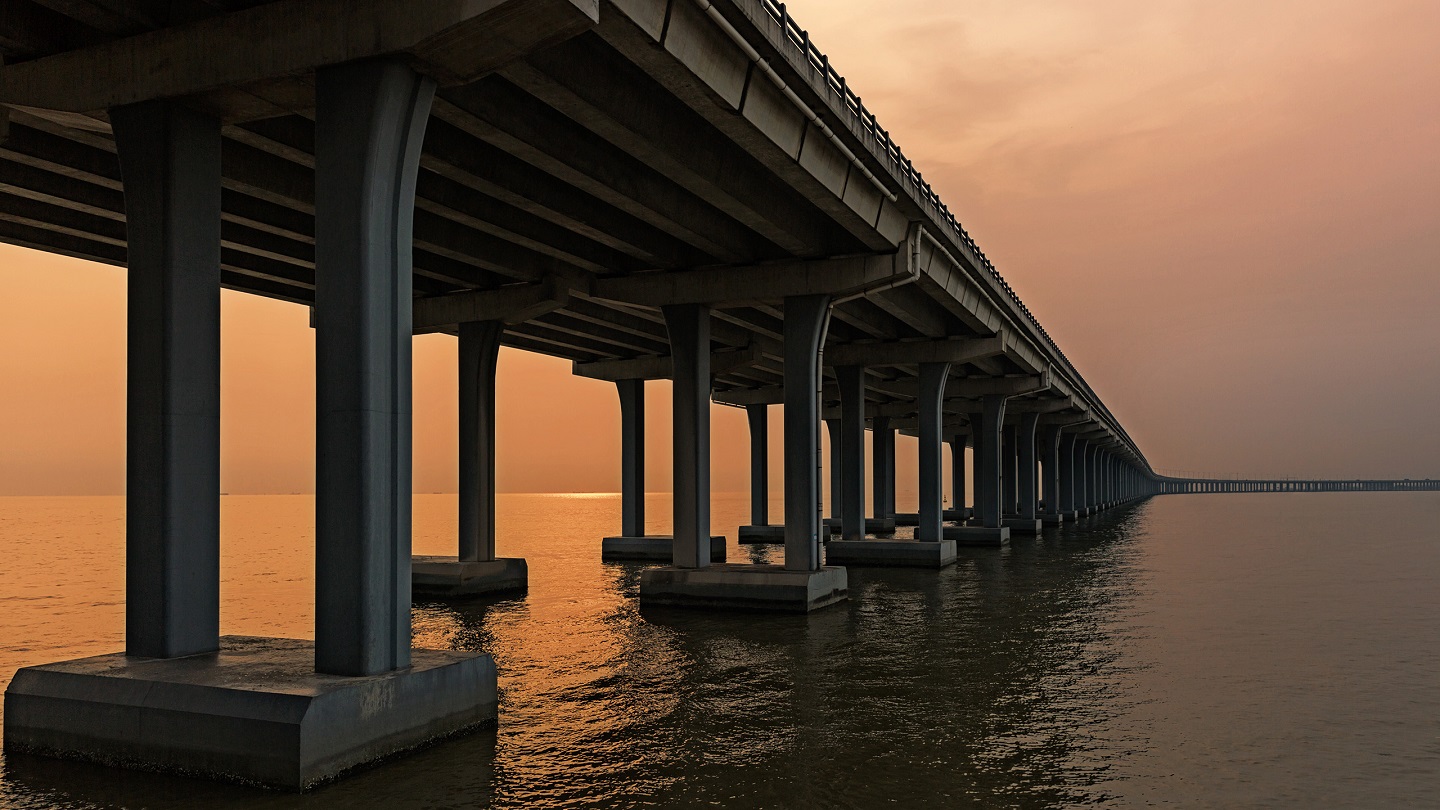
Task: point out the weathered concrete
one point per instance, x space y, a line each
958 514
478 354
632 457
872 525
762 535
171 162
688 326
977 535
891 553
850 453
907 519
744 587
931 418
439 577
1052 518
807 320
369 125
653 548
758 419
1024 525
254 712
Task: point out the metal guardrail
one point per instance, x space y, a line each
836 82
818 60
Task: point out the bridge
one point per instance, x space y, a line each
652 189
1180 486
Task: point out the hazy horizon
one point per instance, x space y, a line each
1223 212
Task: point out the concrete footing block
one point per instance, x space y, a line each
872 525
744 587
652 548
449 578
907 519
1023 525
957 514
978 536
254 712
890 553
1052 518
1070 517
762 535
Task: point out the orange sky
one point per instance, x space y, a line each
1227 214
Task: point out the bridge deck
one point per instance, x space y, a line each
651 143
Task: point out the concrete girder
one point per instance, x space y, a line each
511 304
209 61
662 368
964 350
580 79
700 63
548 140
758 282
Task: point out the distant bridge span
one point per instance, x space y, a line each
1179 486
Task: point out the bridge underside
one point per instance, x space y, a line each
648 188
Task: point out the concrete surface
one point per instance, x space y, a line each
744 587
449 578
256 712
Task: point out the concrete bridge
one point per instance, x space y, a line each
1179 486
677 189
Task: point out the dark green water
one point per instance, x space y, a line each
1195 651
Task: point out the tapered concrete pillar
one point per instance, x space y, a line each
170 161
369 123
882 463
833 432
1009 472
479 350
931 416
632 457
1067 473
851 468
1082 476
807 317
758 417
689 329
1091 450
957 471
1050 468
991 421
1025 439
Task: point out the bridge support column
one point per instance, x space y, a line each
802 583
1067 473
691 546
882 469
170 159
836 436
475 570
1050 467
852 451
1022 464
854 548
632 457
760 530
957 477
986 428
1009 473
929 406
1084 473
256 710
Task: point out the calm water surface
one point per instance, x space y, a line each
1195 651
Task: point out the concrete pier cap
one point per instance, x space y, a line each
651 548
886 553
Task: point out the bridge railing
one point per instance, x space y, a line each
819 61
